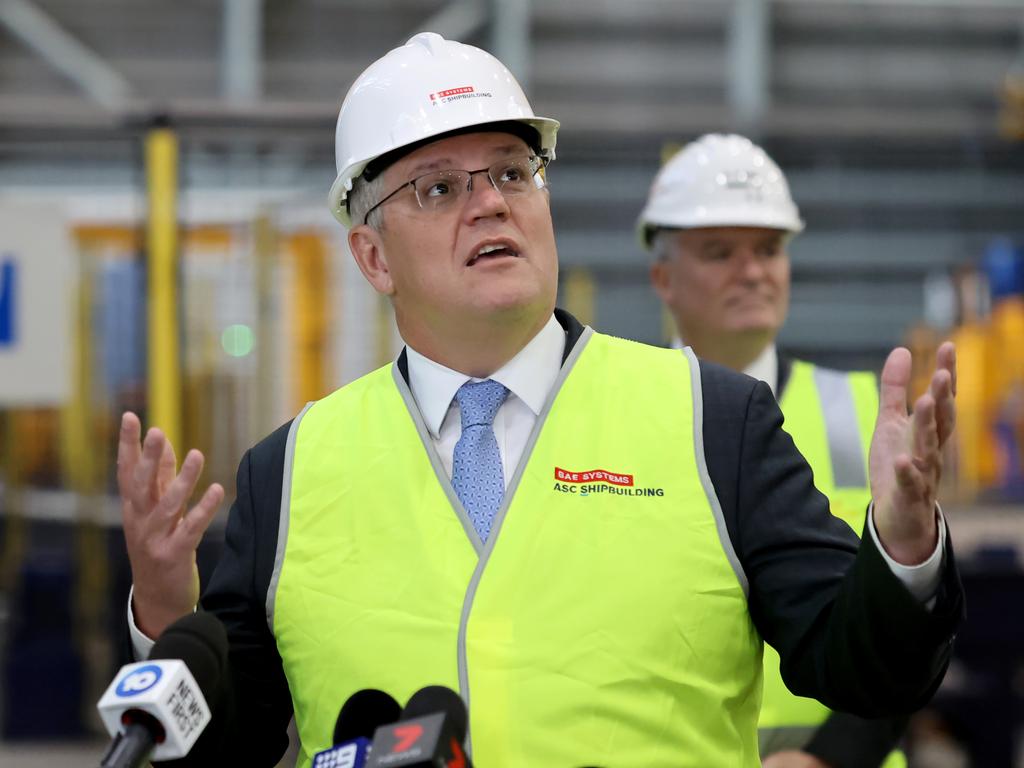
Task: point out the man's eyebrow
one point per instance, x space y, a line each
713 245
430 165
446 163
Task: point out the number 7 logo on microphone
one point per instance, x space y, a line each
407 735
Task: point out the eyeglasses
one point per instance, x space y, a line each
440 190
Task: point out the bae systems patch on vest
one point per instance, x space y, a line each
600 481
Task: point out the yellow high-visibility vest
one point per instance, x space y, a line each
604 622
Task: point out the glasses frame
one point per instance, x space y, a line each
542 163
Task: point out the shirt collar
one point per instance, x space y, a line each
529 375
766 368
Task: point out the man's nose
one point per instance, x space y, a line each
752 264
484 199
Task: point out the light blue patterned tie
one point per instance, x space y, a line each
476 467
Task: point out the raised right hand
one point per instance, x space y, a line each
161 533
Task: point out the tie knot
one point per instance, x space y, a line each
479 401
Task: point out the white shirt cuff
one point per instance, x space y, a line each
922 580
141 644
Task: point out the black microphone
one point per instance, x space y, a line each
431 733
157 709
360 716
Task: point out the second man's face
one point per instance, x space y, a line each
720 281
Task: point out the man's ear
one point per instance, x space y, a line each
661 280
368 250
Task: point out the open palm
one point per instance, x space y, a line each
905 462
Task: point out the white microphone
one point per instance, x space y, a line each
157 709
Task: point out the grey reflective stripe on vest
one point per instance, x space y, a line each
844 440
283 516
772 740
702 471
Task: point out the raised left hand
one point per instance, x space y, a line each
905 462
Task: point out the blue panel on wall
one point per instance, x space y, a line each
8 305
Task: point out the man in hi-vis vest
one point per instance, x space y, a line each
581 535
718 221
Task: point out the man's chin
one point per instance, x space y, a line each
753 322
755 330
510 301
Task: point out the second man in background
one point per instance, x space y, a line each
718 221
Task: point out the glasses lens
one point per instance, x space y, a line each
440 189
515 176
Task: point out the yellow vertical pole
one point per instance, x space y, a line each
311 318
265 248
164 379
579 294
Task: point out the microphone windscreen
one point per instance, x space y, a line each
200 640
363 713
438 698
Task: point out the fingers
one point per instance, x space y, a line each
128 451
925 430
917 474
198 519
145 492
894 382
167 467
941 390
909 478
945 359
173 500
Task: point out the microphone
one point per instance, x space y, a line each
430 733
156 709
360 716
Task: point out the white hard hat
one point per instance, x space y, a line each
719 180
424 89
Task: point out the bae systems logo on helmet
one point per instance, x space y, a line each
596 481
457 94
139 680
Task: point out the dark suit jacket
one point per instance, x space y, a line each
848 631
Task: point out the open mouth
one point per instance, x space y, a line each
492 253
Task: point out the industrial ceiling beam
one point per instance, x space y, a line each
65 53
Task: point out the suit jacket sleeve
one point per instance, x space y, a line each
848 632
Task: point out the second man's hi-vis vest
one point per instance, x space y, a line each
830 416
605 621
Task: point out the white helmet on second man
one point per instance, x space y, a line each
719 180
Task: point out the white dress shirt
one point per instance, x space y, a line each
529 377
